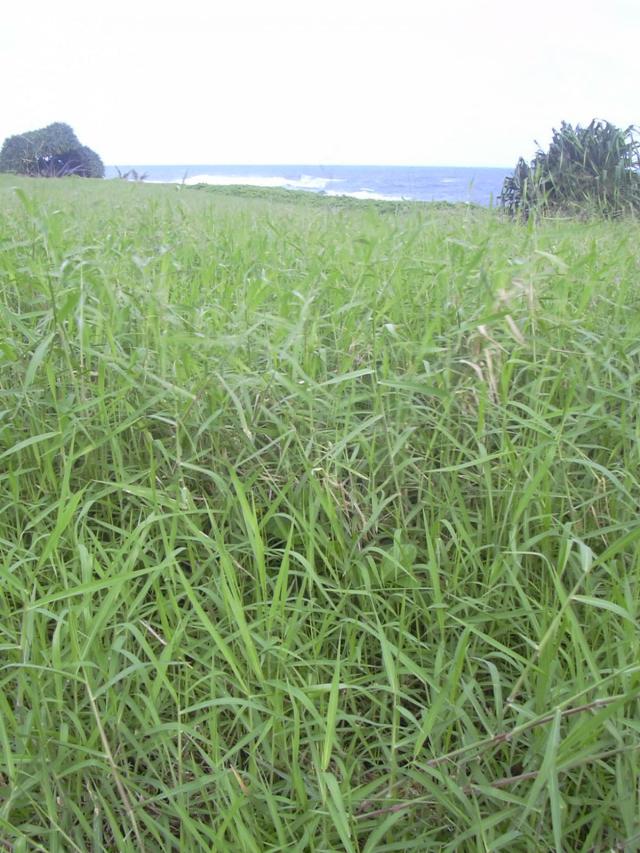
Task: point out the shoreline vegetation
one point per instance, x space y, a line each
319 523
276 194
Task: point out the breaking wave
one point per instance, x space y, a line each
368 195
304 182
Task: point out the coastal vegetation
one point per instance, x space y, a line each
319 524
51 152
593 170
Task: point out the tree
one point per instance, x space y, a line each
593 169
52 152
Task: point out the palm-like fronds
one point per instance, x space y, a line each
594 168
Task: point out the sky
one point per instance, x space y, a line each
407 82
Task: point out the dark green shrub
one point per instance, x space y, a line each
53 152
593 169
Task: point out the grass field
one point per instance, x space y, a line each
319 525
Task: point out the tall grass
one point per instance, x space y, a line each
319 526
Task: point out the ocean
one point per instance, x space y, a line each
394 183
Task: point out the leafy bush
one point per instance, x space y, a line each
53 151
594 169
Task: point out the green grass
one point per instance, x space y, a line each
319 525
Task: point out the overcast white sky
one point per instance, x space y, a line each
423 82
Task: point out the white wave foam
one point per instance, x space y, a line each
315 183
305 182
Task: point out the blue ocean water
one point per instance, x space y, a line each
418 183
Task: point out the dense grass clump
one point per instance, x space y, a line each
587 171
319 525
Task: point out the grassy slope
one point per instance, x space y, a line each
303 507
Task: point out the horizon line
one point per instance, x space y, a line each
321 165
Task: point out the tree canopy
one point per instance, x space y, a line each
53 152
593 169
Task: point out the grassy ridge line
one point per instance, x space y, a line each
319 199
319 528
274 195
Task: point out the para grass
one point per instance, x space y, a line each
319 525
